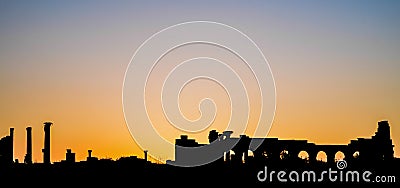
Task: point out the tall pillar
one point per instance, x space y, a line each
46 149
28 156
312 156
89 157
330 156
228 156
246 156
11 144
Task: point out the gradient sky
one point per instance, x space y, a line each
335 63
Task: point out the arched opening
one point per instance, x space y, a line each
356 154
231 155
284 155
228 156
250 156
303 155
250 153
321 156
339 156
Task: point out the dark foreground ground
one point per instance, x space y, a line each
134 173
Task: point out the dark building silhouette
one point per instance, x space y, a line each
377 148
69 156
7 149
182 143
204 153
46 149
28 155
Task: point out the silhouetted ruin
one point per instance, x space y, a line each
28 155
69 156
46 149
236 165
377 148
7 149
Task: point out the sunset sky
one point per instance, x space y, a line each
336 67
